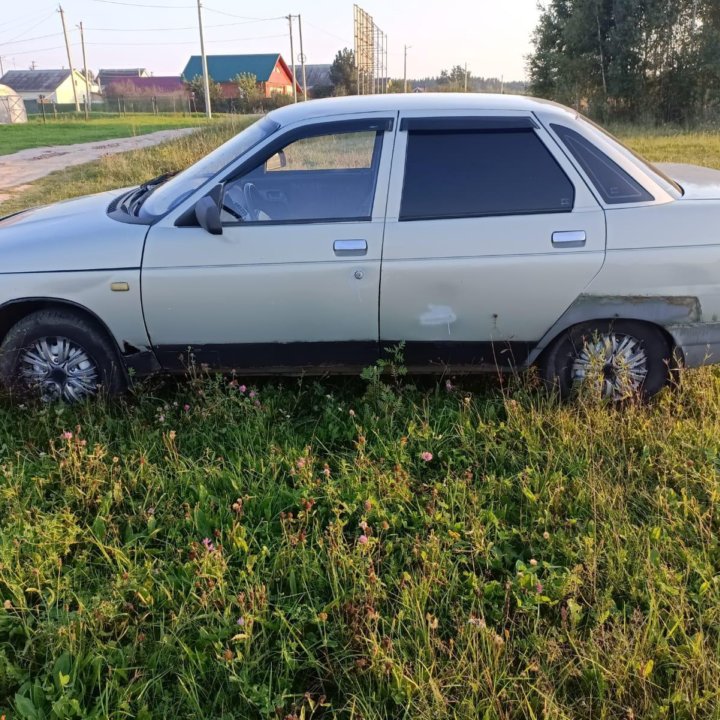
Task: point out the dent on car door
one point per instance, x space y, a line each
293 280
491 235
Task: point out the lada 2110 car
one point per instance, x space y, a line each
481 231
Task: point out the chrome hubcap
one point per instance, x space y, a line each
59 369
614 364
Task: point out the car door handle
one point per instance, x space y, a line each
569 239
350 247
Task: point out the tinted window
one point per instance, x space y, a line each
466 173
612 182
322 178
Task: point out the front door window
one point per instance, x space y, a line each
318 178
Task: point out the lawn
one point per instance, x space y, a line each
35 133
364 549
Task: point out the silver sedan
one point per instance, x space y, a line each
477 231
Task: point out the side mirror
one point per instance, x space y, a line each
208 215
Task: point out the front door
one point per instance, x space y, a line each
490 236
293 280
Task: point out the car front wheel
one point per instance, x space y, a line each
615 360
58 355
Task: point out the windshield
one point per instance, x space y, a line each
171 193
665 180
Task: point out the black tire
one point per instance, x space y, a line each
104 369
558 364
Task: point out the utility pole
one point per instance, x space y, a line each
292 57
88 99
2 72
302 58
67 47
206 80
405 68
465 77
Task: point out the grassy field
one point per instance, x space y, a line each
364 549
68 131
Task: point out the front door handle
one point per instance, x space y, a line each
344 248
569 239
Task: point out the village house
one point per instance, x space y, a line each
107 76
271 71
150 86
54 85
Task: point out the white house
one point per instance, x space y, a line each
55 85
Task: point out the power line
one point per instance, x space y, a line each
327 32
24 40
39 50
188 42
174 29
142 5
20 21
47 17
242 17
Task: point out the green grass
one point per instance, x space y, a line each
200 552
206 550
693 148
65 131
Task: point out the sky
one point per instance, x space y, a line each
492 37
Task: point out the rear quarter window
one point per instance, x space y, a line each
615 186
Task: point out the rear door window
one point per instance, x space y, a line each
474 172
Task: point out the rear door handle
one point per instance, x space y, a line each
569 239
345 248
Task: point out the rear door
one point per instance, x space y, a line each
490 236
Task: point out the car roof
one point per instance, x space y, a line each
430 102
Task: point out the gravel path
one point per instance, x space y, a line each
21 168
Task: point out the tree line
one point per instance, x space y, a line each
343 80
630 60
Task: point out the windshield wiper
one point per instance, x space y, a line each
136 198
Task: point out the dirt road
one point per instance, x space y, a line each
21 168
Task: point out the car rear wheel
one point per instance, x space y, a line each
59 355
615 360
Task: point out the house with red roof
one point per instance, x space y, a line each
271 71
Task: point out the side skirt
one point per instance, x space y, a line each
344 357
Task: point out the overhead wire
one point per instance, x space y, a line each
244 20
39 50
327 32
40 22
188 42
175 29
24 40
242 17
144 5
20 21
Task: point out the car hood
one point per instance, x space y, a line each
698 183
68 236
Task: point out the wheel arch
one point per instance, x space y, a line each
676 351
660 312
15 310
